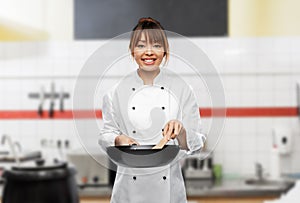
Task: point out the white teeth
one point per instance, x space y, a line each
148 60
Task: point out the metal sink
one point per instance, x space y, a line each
266 182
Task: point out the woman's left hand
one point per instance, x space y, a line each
173 129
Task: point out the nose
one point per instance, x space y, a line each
149 50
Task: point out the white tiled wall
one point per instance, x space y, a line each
255 72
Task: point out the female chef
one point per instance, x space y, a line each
128 118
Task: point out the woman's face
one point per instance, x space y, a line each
148 55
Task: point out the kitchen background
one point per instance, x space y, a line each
258 62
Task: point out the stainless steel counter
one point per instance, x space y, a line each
95 191
225 188
235 188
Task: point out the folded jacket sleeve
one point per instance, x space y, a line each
110 128
191 120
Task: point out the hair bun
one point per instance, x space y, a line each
148 20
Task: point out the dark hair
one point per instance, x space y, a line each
153 31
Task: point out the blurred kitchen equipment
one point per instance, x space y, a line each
217 169
283 139
260 180
61 100
92 171
52 95
142 156
18 145
259 171
291 196
11 146
197 168
52 98
59 145
23 157
42 96
40 183
275 166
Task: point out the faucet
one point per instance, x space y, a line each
259 171
11 146
17 144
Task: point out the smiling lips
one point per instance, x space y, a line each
149 61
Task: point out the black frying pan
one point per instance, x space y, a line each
142 156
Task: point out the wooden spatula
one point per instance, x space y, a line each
161 143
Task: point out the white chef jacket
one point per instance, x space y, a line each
126 110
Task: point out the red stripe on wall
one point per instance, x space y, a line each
69 114
204 112
251 112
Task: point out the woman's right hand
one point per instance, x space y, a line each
124 140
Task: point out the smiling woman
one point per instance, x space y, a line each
146 106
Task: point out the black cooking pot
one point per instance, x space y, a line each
53 183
